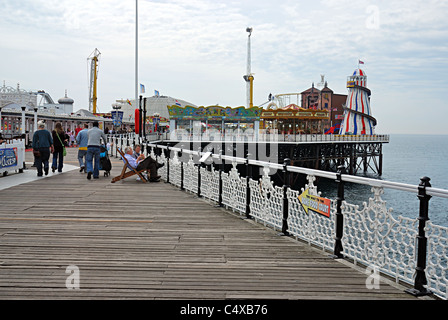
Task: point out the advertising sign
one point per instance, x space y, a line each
117 117
8 158
315 203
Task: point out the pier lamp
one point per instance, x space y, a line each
35 119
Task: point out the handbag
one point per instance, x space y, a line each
64 151
36 153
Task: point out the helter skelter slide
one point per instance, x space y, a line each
358 118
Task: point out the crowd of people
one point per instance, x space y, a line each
89 142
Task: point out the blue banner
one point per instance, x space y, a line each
8 158
117 117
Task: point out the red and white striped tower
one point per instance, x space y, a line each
358 118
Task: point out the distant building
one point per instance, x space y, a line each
155 106
325 99
15 99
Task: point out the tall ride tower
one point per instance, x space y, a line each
249 77
94 68
358 118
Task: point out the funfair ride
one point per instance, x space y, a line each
358 119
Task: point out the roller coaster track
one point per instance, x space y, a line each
46 96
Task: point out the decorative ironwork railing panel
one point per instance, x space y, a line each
175 171
437 271
191 176
373 237
210 184
234 190
311 227
266 201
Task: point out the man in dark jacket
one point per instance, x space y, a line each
42 142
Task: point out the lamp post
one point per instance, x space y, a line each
144 124
35 119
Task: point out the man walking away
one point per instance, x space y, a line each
42 142
93 150
82 139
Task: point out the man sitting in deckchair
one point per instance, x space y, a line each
141 164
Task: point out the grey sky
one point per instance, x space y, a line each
196 51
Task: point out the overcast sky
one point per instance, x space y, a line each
195 50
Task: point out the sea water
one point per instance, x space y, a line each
406 159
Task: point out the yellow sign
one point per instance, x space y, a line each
315 203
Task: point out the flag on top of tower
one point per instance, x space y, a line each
360 62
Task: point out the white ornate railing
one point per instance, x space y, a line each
412 251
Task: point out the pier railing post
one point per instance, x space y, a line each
199 172
181 170
339 227
168 157
286 177
420 280
221 169
248 176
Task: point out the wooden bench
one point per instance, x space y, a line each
130 173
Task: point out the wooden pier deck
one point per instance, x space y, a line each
152 241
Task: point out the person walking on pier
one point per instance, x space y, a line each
60 139
42 147
82 139
94 135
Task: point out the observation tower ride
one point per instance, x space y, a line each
358 118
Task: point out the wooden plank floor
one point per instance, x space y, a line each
152 241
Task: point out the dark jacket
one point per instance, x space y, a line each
57 143
42 139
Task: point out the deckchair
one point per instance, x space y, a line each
130 173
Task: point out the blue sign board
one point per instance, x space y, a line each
117 117
8 158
